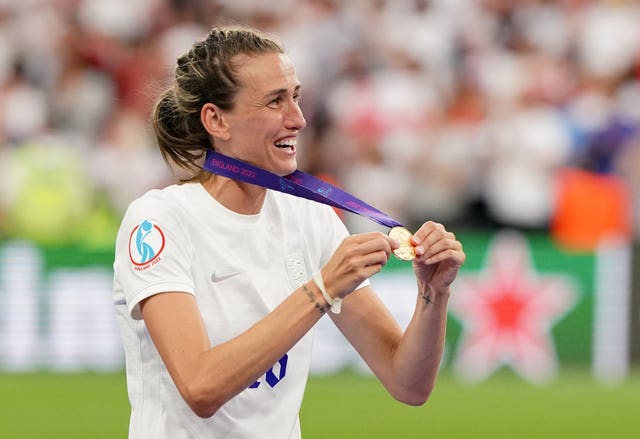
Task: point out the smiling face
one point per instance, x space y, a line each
263 126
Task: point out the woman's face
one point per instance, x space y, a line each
266 118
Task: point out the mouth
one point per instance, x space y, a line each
288 144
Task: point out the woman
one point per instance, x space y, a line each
216 308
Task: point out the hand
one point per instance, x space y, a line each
439 256
357 258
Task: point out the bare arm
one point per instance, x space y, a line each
406 363
207 376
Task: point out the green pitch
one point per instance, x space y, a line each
45 405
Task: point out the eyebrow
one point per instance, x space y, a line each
282 91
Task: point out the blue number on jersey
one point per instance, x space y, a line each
270 377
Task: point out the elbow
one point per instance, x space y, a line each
413 396
200 401
416 399
202 410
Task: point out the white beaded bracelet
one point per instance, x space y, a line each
335 305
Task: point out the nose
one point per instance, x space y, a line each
294 119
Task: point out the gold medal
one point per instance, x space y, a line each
406 251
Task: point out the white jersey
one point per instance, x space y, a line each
239 268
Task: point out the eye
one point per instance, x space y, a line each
275 102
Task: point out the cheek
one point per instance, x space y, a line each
258 124
265 128
245 133
255 129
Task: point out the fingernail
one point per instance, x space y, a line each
420 250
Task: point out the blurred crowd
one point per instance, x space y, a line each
462 111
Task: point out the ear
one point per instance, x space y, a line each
214 122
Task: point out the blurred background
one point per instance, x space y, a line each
514 123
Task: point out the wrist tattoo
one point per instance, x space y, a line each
426 298
313 300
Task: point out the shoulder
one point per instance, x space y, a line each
159 207
171 201
165 197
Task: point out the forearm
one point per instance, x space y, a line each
234 365
207 377
416 358
405 362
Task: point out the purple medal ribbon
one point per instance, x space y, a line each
298 183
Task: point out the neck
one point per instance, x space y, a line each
240 197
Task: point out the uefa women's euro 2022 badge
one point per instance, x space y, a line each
146 243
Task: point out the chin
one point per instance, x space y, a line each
288 171
287 168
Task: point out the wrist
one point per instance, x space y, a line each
430 295
334 304
312 298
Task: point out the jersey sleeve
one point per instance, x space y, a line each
153 252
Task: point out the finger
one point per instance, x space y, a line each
440 246
453 253
454 257
376 258
435 240
372 236
376 245
371 264
425 230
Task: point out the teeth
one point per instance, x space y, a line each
286 143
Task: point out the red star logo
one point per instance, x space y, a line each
507 311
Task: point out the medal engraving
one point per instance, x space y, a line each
406 251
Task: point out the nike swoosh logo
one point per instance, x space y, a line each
223 275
